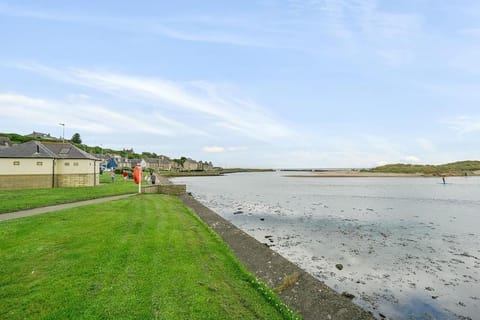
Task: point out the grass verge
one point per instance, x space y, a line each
15 200
146 257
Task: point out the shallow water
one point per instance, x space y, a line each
409 247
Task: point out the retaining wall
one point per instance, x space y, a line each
171 189
33 181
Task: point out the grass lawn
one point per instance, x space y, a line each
145 257
15 200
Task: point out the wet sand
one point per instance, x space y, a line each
309 297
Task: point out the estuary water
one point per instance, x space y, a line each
409 248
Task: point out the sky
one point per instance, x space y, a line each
258 84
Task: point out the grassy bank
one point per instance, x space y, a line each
146 257
460 168
15 200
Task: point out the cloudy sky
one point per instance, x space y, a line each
268 83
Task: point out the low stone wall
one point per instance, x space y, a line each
45 181
76 180
25 181
171 189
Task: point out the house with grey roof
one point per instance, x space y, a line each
5 142
36 164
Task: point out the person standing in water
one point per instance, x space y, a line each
443 179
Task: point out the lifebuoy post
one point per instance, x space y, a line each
137 177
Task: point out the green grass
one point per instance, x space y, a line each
449 169
146 257
15 200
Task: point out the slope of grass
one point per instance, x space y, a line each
15 200
455 168
147 257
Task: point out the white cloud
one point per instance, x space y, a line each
204 99
88 117
464 124
411 159
213 149
381 163
217 149
220 31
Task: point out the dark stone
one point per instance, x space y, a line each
348 295
238 212
339 266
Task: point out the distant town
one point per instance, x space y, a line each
126 158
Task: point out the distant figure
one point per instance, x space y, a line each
153 178
112 174
443 179
125 174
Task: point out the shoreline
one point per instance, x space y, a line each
309 297
358 174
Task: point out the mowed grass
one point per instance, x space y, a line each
145 257
15 200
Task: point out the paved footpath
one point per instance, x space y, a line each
32 212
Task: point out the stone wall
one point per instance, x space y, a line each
25 181
76 180
34 181
171 189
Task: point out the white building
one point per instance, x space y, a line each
37 164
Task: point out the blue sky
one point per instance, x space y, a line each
314 83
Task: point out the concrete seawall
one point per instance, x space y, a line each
309 297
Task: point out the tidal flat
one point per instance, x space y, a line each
404 248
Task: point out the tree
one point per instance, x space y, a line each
76 138
180 161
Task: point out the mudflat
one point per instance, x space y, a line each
309 297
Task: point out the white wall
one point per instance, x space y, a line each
9 166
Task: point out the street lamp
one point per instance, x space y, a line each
63 132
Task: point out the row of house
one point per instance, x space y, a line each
49 164
161 163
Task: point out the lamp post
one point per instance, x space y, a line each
63 132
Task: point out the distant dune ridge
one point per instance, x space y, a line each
459 168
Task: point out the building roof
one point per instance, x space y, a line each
41 135
37 149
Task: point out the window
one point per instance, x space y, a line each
75 164
67 164
39 163
16 163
